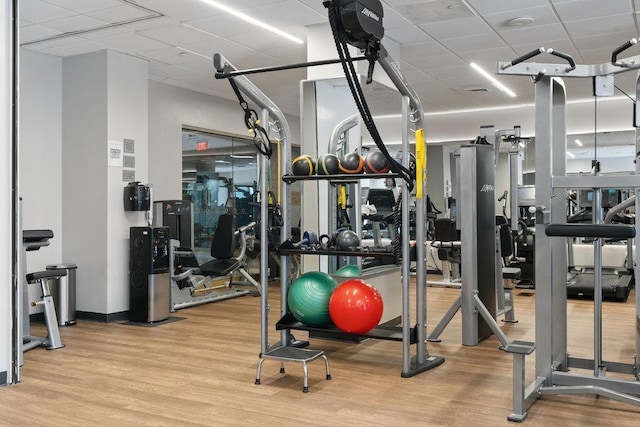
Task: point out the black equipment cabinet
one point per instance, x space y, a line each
149 271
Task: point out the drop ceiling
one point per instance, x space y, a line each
438 39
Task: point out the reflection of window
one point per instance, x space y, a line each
219 175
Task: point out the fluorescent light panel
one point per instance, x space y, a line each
573 156
493 80
578 143
252 21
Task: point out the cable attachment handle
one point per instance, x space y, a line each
523 58
619 50
565 56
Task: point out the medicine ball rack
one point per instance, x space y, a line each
411 106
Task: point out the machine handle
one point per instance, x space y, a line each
620 49
523 58
565 56
246 227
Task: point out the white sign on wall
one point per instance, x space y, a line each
114 153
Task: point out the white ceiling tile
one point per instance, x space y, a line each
119 14
183 10
85 46
463 27
200 66
285 55
227 48
495 6
36 47
407 35
540 33
392 20
108 32
36 32
600 56
542 15
260 39
151 23
131 42
624 24
434 11
451 37
432 48
488 57
75 23
170 55
414 74
610 41
176 35
171 71
585 9
564 45
282 14
317 6
456 71
37 11
436 62
85 6
467 44
62 41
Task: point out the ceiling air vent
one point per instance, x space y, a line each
475 89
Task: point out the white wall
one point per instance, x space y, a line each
104 100
171 108
128 118
84 131
41 155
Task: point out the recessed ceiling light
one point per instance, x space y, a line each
520 22
578 143
573 156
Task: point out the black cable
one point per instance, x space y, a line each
358 96
397 225
625 93
252 122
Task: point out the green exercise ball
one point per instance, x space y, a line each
309 296
348 271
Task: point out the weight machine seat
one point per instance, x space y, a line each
223 246
219 267
609 231
46 274
511 273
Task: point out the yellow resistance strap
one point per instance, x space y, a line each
421 163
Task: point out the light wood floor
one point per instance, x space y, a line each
201 371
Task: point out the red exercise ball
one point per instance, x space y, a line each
356 306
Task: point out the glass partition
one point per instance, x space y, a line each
219 175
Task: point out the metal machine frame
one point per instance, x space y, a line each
480 301
552 359
411 365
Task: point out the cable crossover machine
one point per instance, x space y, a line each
363 30
553 363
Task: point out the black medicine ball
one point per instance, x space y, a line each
302 165
327 164
376 162
351 163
